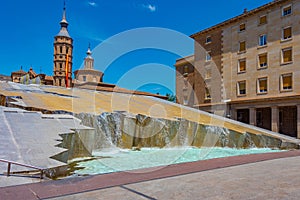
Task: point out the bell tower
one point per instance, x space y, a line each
63 51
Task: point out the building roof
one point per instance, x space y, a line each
185 60
19 72
87 71
99 86
32 72
235 19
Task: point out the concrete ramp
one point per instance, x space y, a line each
32 138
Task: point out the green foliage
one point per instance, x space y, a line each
171 97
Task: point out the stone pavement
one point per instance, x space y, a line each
260 176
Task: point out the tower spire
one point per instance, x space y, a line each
64 19
64 24
89 61
89 52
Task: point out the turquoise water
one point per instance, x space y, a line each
114 160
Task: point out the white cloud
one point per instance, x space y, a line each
151 8
92 3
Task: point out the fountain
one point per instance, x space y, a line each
126 131
125 121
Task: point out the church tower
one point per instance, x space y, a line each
63 51
88 74
89 60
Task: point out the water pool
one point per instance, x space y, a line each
115 160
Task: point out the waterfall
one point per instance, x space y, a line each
124 130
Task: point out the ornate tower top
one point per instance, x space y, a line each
64 24
89 52
89 61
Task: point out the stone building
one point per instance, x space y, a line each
29 77
63 51
16 76
246 68
185 83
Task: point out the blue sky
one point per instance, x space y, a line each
29 26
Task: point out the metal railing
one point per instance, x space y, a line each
9 163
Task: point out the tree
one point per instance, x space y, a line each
171 97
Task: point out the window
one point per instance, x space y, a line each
207 94
242 27
286 10
262 85
242 65
67 50
208 74
286 81
241 88
263 20
60 65
84 78
208 56
60 49
263 60
287 55
287 33
262 40
185 70
242 46
208 39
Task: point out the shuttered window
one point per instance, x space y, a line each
242 27
242 46
263 60
242 65
262 85
287 55
286 82
241 88
263 20
287 33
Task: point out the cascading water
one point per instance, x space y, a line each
123 130
218 134
176 141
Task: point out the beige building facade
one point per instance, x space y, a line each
247 68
